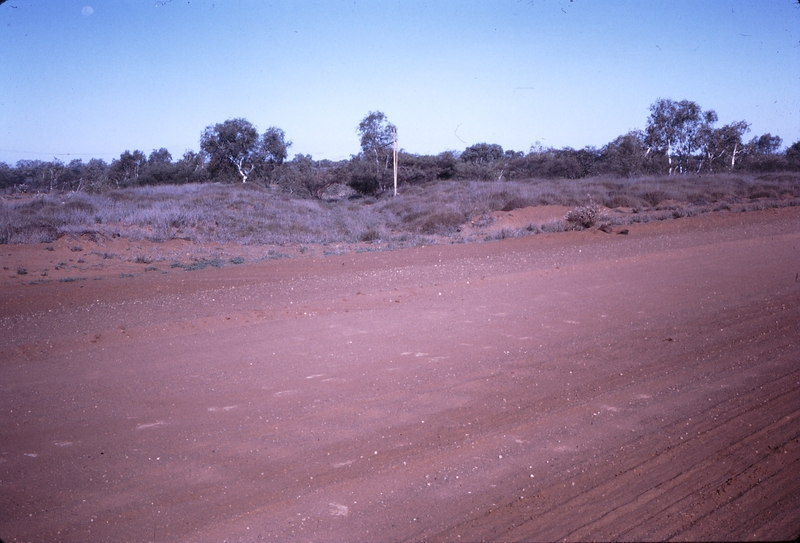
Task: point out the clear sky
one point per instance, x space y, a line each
92 78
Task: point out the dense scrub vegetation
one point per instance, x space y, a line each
681 158
423 213
626 157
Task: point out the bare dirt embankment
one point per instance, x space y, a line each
580 385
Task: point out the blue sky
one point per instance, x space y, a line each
92 78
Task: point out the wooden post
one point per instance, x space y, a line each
394 133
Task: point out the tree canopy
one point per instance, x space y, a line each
682 129
275 146
671 129
126 169
376 133
482 153
232 145
376 136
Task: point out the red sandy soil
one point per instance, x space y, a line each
580 385
93 256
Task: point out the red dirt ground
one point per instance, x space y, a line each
581 385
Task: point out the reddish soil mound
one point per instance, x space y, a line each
517 219
579 385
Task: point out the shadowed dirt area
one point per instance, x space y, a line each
581 385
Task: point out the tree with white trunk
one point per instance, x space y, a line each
232 145
377 136
672 129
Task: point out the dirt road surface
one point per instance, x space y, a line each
582 385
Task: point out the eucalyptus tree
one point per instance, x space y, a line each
233 146
126 169
54 174
482 161
275 149
766 144
31 175
94 175
274 145
70 175
717 144
159 157
763 153
160 170
308 176
377 137
672 129
625 156
192 167
482 153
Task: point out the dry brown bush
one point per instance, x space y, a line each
584 216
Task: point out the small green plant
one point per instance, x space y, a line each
22 271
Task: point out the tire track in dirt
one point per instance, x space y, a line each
686 461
